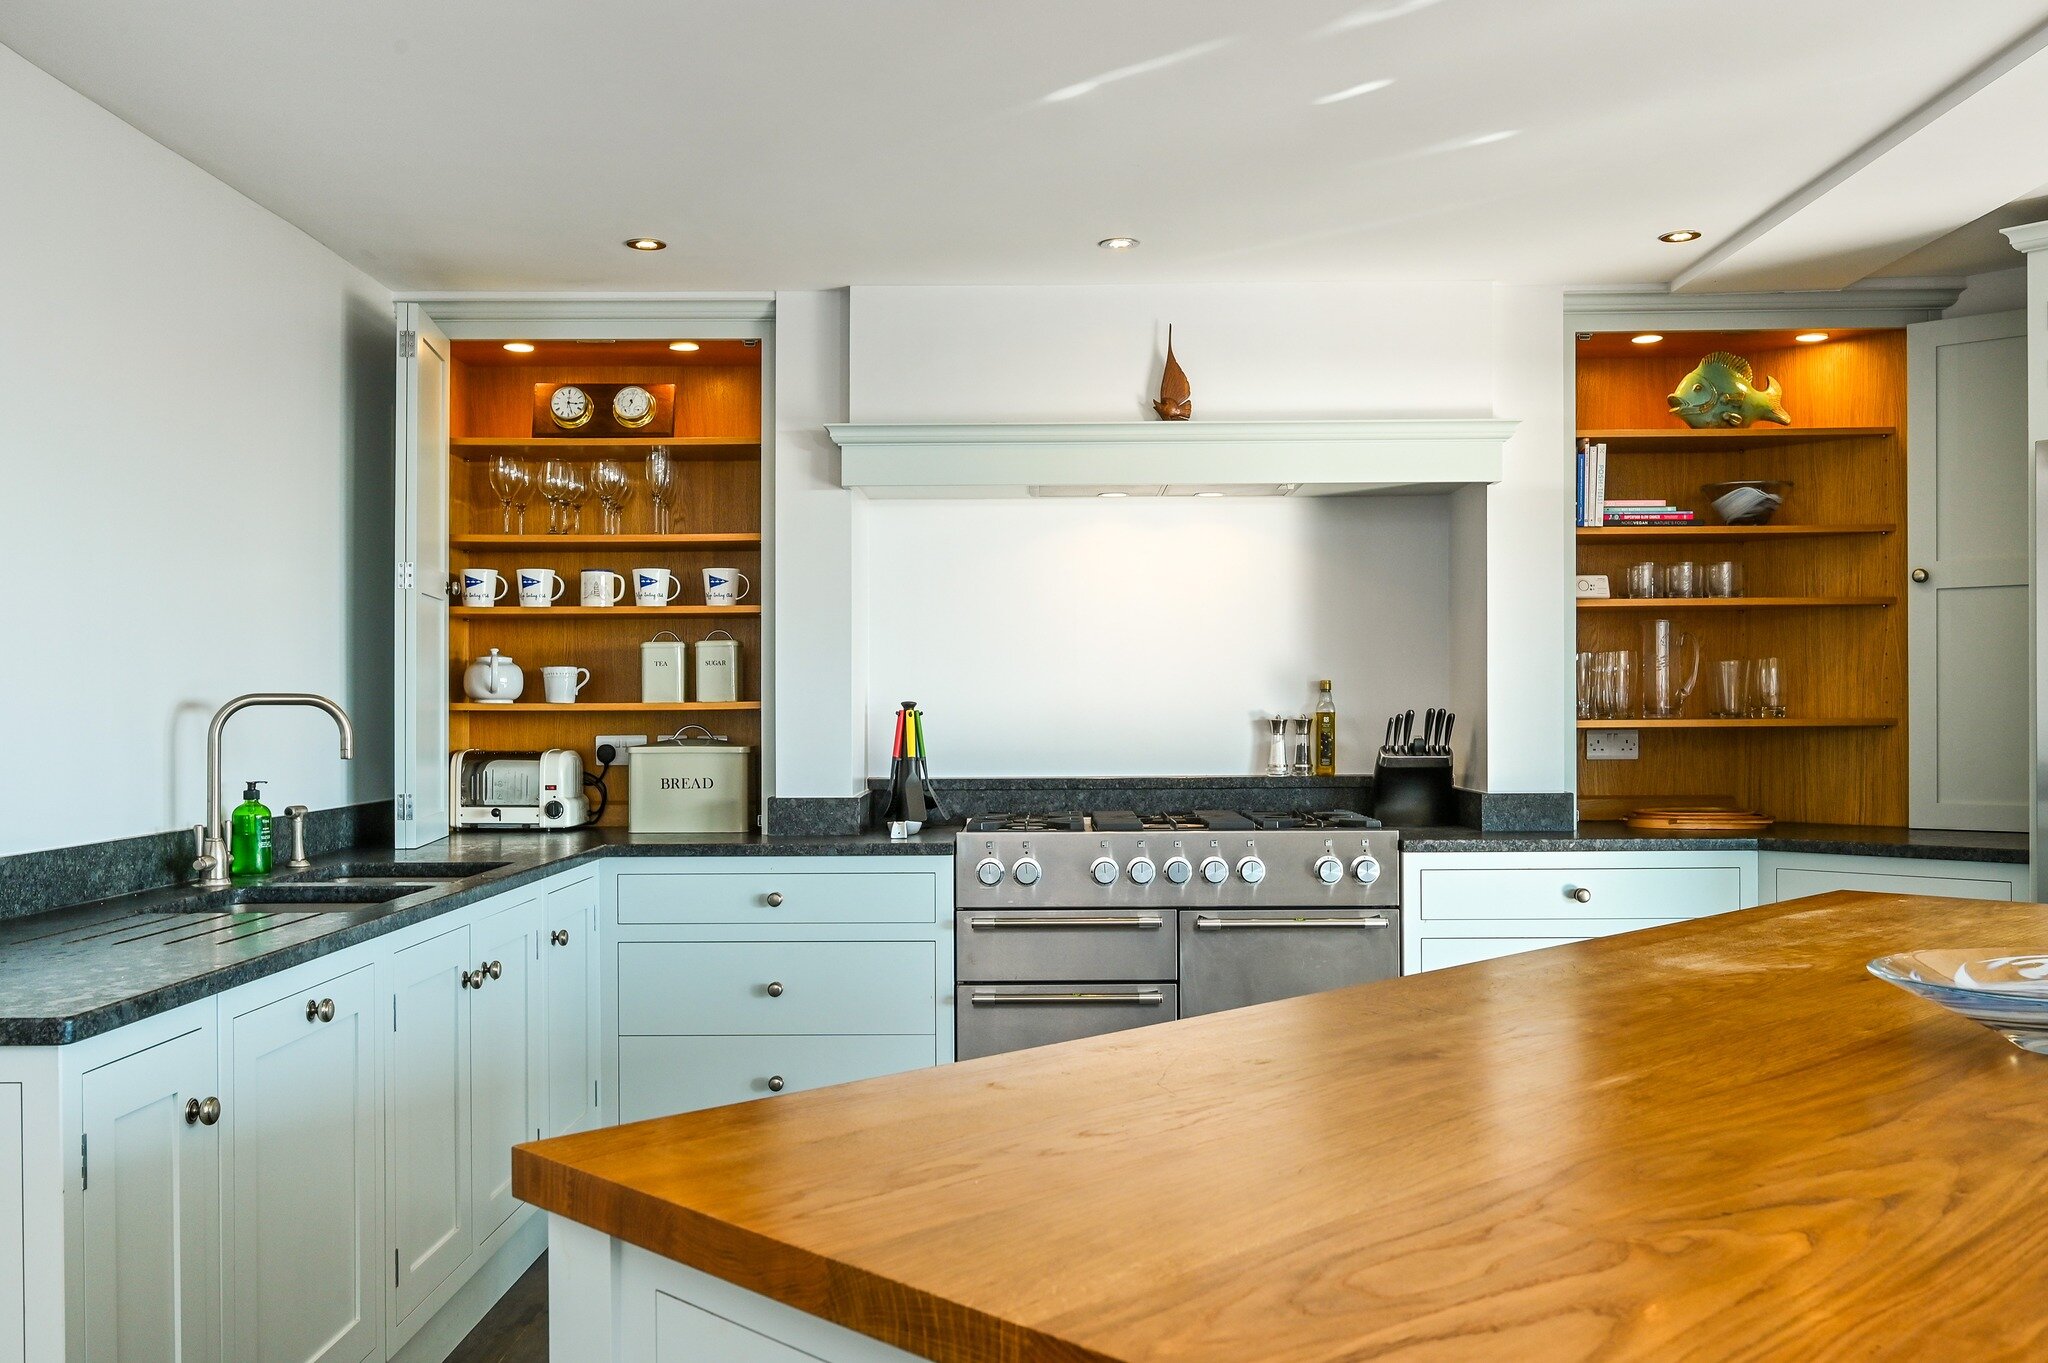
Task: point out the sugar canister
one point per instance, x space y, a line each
661 669
718 667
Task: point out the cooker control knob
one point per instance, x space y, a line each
1026 871
989 872
1179 870
1104 870
1329 870
1251 870
1141 871
1365 870
1215 870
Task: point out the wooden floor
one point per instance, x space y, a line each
516 1330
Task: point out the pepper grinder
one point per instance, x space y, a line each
1276 749
1301 745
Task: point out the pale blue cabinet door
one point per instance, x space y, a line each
776 897
777 988
420 492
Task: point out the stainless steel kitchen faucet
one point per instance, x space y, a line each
211 836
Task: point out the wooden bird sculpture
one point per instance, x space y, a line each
1176 397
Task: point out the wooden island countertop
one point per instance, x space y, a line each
1719 1140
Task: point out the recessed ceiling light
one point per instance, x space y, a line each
519 347
682 345
1118 243
1684 234
646 244
1647 338
1811 336
1351 92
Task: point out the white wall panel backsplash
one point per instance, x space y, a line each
1106 638
197 465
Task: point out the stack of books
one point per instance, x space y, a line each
1596 508
1642 511
1592 482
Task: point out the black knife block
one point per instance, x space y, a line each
1411 790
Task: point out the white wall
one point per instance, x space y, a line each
1037 634
197 468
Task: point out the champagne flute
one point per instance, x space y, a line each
664 485
510 479
614 489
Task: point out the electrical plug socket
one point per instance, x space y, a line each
622 742
1613 745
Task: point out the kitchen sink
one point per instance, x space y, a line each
304 898
388 872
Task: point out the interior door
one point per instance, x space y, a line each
421 702
427 1124
152 1207
305 1242
1966 510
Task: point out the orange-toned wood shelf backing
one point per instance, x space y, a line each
1674 604
1642 534
748 540
622 707
717 520
1819 582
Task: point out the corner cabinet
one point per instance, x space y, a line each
491 486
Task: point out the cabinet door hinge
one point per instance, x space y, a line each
84 1165
401 809
408 344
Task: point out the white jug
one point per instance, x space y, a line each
494 679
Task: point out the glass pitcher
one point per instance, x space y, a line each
1670 669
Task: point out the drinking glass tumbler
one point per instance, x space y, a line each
1766 690
1586 706
1728 689
1684 579
1642 580
1724 579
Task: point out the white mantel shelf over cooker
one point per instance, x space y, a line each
1170 458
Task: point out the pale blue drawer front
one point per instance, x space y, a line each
1795 882
660 1075
780 988
778 896
1551 892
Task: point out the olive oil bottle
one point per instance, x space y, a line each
1326 733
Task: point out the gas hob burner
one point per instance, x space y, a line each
1028 823
1127 821
1317 818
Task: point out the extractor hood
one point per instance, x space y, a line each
1170 458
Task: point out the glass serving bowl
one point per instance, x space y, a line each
2006 991
1747 501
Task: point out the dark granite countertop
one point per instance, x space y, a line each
1926 844
71 973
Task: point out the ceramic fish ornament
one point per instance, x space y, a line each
1722 392
1176 397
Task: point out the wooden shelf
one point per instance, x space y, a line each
480 543
1630 534
607 446
589 612
1681 438
599 707
1738 723
1733 603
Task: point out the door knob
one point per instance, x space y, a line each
495 969
775 989
1580 893
319 1010
199 1113
472 979
775 1084
560 937
1920 574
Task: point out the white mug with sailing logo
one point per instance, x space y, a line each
561 684
602 587
483 587
540 587
655 586
719 589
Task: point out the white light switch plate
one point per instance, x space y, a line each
622 742
1613 745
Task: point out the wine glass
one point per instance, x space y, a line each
575 492
614 489
563 487
664 485
510 479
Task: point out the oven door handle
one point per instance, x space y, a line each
1206 923
1071 920
1148 996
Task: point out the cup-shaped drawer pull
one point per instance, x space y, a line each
774 989
1580 893
1067 920
776 1083
1206 923
1141 996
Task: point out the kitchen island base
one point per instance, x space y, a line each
612 1302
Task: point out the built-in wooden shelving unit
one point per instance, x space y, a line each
716 523
1822 579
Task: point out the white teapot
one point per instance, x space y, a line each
494 679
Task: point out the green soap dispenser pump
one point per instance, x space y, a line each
249 852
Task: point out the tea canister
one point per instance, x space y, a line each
661 670
718 667
690 782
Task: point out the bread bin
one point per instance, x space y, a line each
690 782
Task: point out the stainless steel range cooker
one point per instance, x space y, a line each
1071 925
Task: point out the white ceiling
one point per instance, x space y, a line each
804 143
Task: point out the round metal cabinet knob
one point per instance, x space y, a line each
495 969
989 871
199 1113
1920 574
1026 871
775 989
775 1083
775 899
319 1010
1580 893
472 979
560 937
